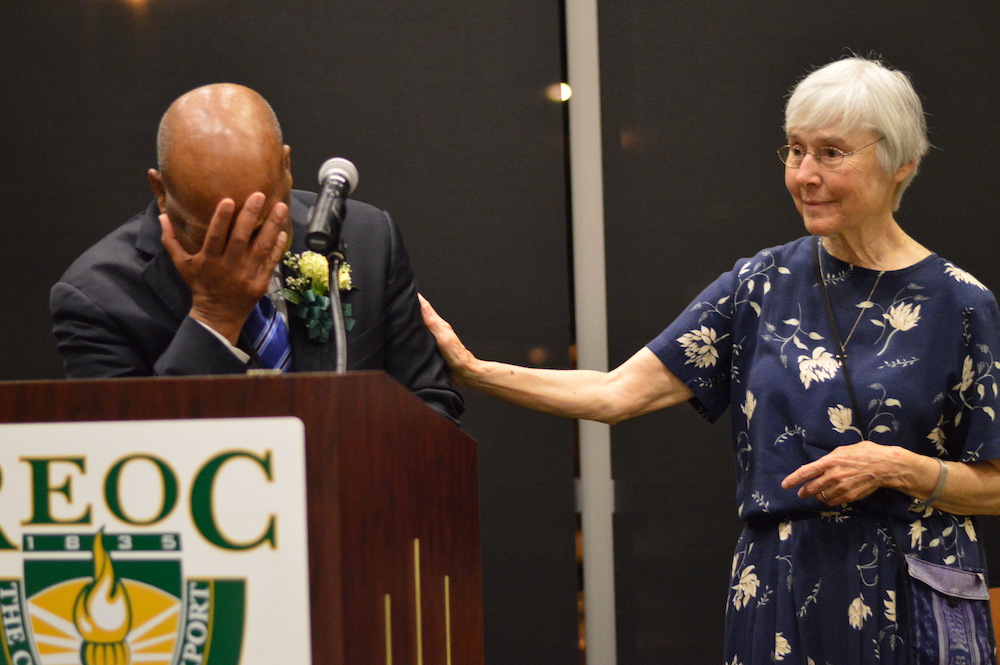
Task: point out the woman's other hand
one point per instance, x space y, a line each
849 473
853 472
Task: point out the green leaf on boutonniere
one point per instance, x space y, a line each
290 296
348 310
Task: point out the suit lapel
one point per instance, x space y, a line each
160 274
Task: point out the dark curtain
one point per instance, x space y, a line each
442 107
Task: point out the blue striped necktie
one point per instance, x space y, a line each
269 336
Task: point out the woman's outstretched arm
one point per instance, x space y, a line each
640 385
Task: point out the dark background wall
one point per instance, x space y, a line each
693 97
441 106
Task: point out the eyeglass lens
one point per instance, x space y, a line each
827 156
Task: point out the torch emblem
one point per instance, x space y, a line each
117 599
103 614
104 599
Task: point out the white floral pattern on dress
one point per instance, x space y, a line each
963 276
749 405
781 647
970 529
917 530
900 317
938 437
841 418
746 588
968 376
890 606
699 347
858 612
822 365
785 530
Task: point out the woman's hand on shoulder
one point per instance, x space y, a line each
459 359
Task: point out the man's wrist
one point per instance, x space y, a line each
235 350
228 330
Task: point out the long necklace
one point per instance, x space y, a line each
862 312
847 341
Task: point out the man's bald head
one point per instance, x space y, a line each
214 142
218 106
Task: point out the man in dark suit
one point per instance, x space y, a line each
169 292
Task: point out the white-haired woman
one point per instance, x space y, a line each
840 470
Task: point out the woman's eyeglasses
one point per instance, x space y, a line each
827 156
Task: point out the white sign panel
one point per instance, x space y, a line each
173 542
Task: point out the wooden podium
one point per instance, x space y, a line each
393 526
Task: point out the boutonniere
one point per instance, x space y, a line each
308 290
344 277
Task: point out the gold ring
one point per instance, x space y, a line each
822 493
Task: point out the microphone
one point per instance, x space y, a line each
338 177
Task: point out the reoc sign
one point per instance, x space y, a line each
162 542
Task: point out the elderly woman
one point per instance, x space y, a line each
863 373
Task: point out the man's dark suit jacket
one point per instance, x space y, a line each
121 310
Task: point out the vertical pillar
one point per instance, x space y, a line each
587 195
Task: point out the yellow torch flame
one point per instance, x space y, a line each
103 614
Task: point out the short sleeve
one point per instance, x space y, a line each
975 431
698 346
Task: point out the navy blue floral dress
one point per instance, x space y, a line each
815 585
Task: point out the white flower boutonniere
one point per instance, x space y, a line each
308 291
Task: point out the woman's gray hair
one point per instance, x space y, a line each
858 94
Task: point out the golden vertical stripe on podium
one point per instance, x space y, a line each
418 603
447 619
417 600
388 629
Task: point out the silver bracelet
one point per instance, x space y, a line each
936 494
